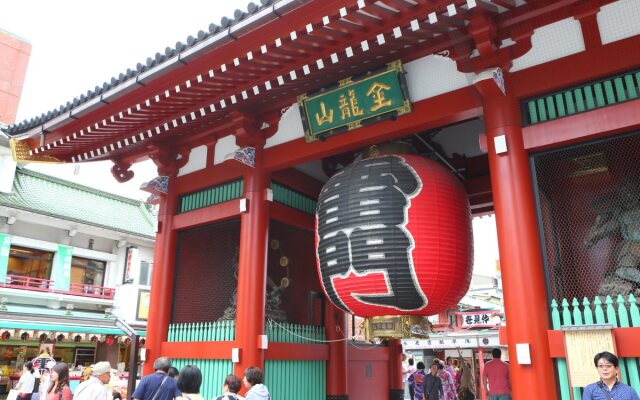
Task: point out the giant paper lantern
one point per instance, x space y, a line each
394 237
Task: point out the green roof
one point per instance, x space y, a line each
44 194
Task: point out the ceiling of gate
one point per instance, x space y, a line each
188 98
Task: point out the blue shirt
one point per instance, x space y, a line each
149 384
620 391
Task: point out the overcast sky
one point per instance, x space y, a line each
79 44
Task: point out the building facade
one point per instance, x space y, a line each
73 260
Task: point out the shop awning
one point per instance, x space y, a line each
84 328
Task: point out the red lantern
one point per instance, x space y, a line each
394 237
109 340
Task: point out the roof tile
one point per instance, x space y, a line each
44 194
25 125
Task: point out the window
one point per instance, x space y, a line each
29 262
87 272
146 269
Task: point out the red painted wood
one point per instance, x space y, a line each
626 341
581 127
395 364
523 277
335 322
442 110
483 387
293 217
207 215
212 175
252 268
163 271
367 352
198 350
297 351
556 344
296 180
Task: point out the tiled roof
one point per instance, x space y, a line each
44 194
157 59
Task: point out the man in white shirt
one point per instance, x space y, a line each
93 388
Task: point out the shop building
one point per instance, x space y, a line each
532 104
73 259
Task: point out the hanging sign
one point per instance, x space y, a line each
132 264
478 319
354 102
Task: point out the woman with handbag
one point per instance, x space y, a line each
59 387
27 382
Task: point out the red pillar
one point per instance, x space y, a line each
162 281
483 388
336 328
252 268
523 276
396 386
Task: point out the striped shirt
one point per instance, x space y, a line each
620 391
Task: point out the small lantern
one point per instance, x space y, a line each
109 340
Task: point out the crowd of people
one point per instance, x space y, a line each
449 380
453 379
166 383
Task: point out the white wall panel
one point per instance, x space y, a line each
619 20
197 160
551 42
224 146
434 75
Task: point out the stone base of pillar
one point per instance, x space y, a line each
396 394
338 397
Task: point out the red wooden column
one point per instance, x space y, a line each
396 386
336 329
162 281
523 276
252 267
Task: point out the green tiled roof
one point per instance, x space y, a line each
44 194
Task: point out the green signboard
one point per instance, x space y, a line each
61 273
355 102
5 248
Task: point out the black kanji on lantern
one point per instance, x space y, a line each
362 213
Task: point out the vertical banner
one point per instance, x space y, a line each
61 273
131 265
5 248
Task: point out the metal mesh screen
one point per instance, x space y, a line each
589 211
205 276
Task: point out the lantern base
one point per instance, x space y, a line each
397 327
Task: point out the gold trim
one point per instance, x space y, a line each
394 326
20 152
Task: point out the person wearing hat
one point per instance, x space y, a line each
93 388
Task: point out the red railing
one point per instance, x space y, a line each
46 285
92 291
27 282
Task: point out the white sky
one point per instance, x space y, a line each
79 44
